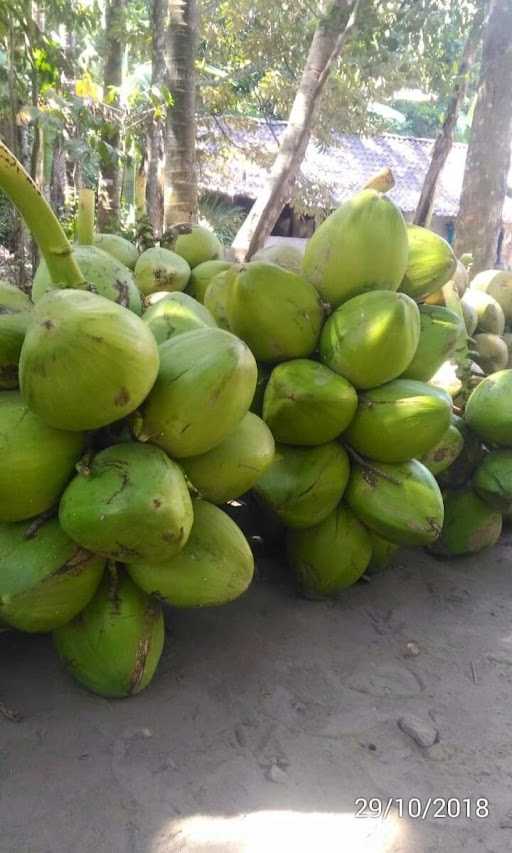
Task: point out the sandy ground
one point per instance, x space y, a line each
270 717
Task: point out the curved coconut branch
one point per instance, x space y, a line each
40 220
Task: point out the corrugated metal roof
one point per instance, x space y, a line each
237 154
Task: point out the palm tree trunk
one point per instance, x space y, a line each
154 195
180 193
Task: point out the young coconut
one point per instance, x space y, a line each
132 503
15 315
159 269
113 646
304 484
399 421
174 314
305 403
372 338
492 480
232 467
103 274
217 296
215 566
459 472
445 452
382 553
330 556
85 361
198 245
489 409
490 352
440 330
45 577
120 248
400 502
498 285
490 314
362 246
202 275
431 263
286 256
470 525
205 386
276 312
37 460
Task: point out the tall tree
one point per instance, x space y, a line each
488 158
154 196
444 139
180 161
115 45
333 28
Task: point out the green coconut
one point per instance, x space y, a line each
469 525
445 452
431 263
470 317
490 352
492 480
85 361
118 247
114 645
215 566
287 256
132 503
372 338
498 285
205 386
104 275
217 295
264 372
330 556
232 467
174 314
202 275
198 246
305 403
45 577
159 269
489 313
15 315
362 246
489 409
382 553
400 502
399 421
304 484
276 312
37 460
440 330
459 472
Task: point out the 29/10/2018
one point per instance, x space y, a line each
421 809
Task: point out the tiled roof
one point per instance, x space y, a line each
237 154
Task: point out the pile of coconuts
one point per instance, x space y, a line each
161 413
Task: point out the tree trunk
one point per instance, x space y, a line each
110 195
488 158
155 201
180 193
58 178
331 34
444 140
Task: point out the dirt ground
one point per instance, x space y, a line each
270 717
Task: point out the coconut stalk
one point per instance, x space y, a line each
40 220
85 218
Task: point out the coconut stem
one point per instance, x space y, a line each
369 467
85 218
40 220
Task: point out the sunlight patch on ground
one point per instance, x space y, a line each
278 831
